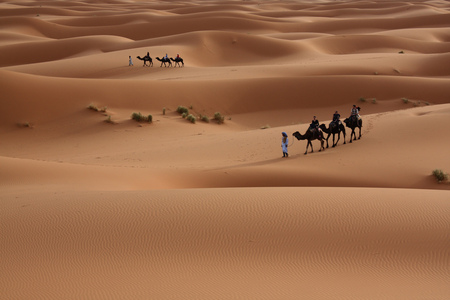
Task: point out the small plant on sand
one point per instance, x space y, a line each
95 108
362 99
374 100
219 118
440 175
267 126
191 118
141 118
182 109
26 125
164 111
109 120
405 100
401 52
184 115
204 119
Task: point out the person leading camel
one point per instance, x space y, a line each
284 144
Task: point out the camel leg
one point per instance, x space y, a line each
359 133
307 145
328 138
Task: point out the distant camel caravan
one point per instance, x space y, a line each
164 61
310 136
352 123
146 59
177 61
333 129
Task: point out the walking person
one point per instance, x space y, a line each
130 62
284 144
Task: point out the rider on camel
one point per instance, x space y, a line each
336 121
314 126
355 112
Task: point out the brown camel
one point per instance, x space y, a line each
164 61
353 123
146 59
333 130
177 61
309 135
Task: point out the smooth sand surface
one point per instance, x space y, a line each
94 205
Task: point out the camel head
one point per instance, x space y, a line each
297 135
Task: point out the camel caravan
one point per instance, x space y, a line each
316 131
166 61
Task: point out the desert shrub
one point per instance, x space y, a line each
374 100
440 175
401 52
182 109
184 115
95 108
109 120
164 110
191 118
25 124
405 100
265 126
204 119
362 99
219 118
140 118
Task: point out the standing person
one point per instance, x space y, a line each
284 144
166 57
130 62
178 56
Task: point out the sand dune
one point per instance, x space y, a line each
295 243
94 205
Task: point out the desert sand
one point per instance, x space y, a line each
95 205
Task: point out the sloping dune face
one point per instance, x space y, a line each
97 205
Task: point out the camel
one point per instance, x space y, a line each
352 123
333 130
146 59
177 61
164 61
310 136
